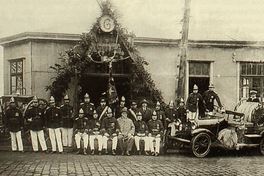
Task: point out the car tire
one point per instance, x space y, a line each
261 146
201 144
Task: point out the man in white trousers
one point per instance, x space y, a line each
81 132
155 127
35 118
110 130
67 122
53 123
95 133
141 133
15 123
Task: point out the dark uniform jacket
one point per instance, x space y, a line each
94 126
53 117
118 111
141 127
88 109
110 125
181 114
209 97
82 124
132 115
37 117
67 116
146 114
193 100
155 127
100 110
14 119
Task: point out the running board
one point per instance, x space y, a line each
247 145
253 135
180 139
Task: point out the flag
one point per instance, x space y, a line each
111 93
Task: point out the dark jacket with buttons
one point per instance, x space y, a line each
209 97
35 118
94 126
88 109
67 116
155 127
14 119
82 124
141 127
53 117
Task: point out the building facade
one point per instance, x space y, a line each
234 67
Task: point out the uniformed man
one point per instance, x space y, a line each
145 111
160 113
110 130
15 124
253 96
81 132
54 124
87 107
67 122
209 97
95 133
170 114
181 112
126 134
156 130
195 105
35 117
120 107
141 133
132 111
102 108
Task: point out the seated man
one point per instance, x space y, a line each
127 130
110 129
156 130
141 129
81 132
95 133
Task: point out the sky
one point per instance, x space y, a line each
209 19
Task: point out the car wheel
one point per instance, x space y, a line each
201 144
261 146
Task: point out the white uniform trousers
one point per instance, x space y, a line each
192 116
114 142
146 141
84 137
154 144
67 134
55 138
16 140
99 139
38 136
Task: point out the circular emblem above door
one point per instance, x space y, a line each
106 23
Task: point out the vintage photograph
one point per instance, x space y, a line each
122 87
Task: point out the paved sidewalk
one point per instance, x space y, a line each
177 164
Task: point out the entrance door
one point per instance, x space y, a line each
199 74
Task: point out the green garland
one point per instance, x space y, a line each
75 61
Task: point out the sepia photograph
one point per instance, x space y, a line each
131 87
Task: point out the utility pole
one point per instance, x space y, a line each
183 50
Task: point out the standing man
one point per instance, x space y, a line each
54 124
132 111
141 129
110 130
156 130
87 107
195 105
102 109
35 117
127 130
160 113
170 114
95 133
67 122
145 111
209 97
253 96
15 123
81 132
181 112
120 107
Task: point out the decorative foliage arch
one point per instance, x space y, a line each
74 62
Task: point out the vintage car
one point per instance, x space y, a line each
231 130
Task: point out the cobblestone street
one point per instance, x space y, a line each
177 164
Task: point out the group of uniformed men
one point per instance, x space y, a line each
96 126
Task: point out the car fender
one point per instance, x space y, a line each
262 133
199 130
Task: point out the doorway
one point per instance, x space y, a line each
201 82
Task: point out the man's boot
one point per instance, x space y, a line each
92 152
78 151
84 151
